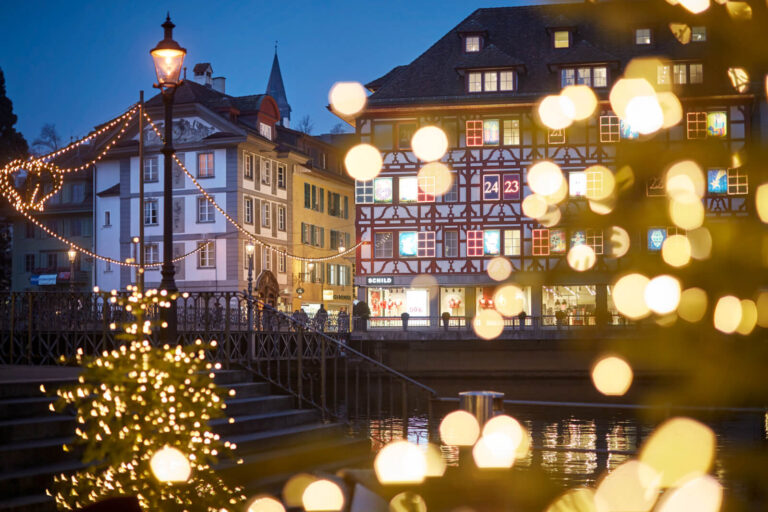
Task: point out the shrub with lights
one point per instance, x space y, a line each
138 401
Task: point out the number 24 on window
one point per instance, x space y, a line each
510 187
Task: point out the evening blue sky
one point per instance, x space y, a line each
79 63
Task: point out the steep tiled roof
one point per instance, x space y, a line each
489 57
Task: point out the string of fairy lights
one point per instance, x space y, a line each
36 166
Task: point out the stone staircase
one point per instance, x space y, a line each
274 439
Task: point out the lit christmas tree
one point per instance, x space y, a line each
136 401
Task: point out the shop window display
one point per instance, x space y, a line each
393 302
568 305
453 302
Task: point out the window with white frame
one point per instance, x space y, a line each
738 183
364 192
490 81
265 131
150 169
696 73
610 128
561 39
696 125
150 212
206 256
511 242
698 34
382 245
281 263
266 171
426 244
426 193
475 82
642 36
281 172
151 254
266 258
511 132
204 210
584 76
248 165
595 240
451 244
248 210
679 73
567 77
266 209
593 76
205 165
600 77
506 80
344 275
472 44
281 218
540 242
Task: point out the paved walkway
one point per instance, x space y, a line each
16 373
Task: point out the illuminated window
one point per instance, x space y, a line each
281 263
567 77
511 242
364 192
491 132
491 81
577 183
737 182
557 241
511 129
698 34
584 76
206 255
266 259
556 136
491 187
426 247
281 175
474 243
474 134
717 181
679 73
540 242
491 242
662 74
382 245
562 39
382 190
599 77
472 44
451 244
595 240
265 131
453 193
409 244
506 81
656 237
643 36
696 72
426 189
409 189
205 165
150 169
696 123
609 128
594 183
717 124
475 82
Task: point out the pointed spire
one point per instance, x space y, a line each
276 89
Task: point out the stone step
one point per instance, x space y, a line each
261 422
24 407
35 480
258 404
41 427
36 452
249 389
226 377
286 437
29 503
28 388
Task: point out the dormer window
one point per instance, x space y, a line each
643 36
698 34
562 38
592 76
490 81
472 44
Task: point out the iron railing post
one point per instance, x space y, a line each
13 317
29 329
322 376
227 333
299 363
404 392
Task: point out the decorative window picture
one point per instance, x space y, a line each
426 192
474 133
540 242
511 187
696 123
426 244
717 124
382 245
557 241
737 182
609 129
491 132
491 187
409 244
627 132
717 181
382 190
578 237
409 189
491 242
656 237
577 183
474 243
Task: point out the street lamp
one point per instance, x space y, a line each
72 253
249 249
168 57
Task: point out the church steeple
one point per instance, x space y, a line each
276 89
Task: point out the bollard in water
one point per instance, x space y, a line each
483 404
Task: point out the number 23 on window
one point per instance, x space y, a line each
511 186
491 187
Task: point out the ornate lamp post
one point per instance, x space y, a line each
249 249
72 254
169 58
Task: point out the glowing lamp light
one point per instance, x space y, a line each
265 504
169 465
429 143
495 451
72 254
459 428
612 376
168 57
644 114
249 248
323 496
347 98
662 294
401 462
363 162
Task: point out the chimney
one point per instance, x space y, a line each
218 84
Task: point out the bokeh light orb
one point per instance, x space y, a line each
545 178
671 108
440 173
265 504
509 300
686 215
624 90
294 488
631 486
347 98
363 162
556 112
534 206
499 268
644 114
695 6
727 315
323 496
612 376
488 324
693 305
170 465
629 296
748 317
618 242
506 425
400 462
676 250
583 99
407 501
602 183
662 294
702 494
761 200
679 449
429 143
459 428
494 451
581 258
